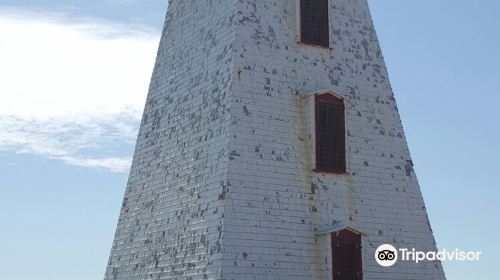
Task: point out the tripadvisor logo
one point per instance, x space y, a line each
387 255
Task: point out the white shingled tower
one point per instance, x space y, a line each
270 148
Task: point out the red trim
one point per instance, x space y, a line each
328 97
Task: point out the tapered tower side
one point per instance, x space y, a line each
280 211
171 221
225 183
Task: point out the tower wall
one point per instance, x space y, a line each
222 183
171 221
277 205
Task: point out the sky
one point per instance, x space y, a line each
73 82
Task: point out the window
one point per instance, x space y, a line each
314 23
346 255
330 134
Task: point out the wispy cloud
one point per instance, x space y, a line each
72 90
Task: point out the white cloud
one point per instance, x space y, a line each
72 86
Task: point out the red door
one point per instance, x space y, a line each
346 256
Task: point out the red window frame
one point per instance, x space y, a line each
330 134
347 262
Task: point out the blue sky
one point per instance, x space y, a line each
74 76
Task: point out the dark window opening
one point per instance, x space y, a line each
314 23
330 134
346 256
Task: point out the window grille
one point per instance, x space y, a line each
330 134
314 23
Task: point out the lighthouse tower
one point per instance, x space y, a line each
270 147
